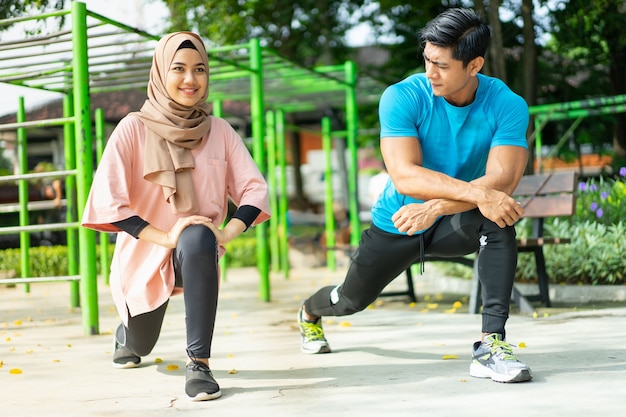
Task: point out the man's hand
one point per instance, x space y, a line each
500 208
414 217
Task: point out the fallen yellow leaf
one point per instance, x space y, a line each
158 360
18 322
232 371
171 367
345 324
432 306
446 357
521 345
457 305
15 371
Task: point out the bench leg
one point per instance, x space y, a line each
523 303
475 300
409 284
542 277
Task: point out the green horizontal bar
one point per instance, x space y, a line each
60 278
37 123
36 175
38 228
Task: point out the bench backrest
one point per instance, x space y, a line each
547 195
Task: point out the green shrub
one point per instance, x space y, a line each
601 200
595 254
241 252
45 261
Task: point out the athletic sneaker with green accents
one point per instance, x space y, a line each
312 336
493 358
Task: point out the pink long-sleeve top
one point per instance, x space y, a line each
142 273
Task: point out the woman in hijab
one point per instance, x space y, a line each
164 182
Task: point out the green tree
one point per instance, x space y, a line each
591 34
16 8
308 32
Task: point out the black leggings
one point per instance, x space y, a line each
382 256
195 266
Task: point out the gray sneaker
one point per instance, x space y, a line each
494 359
312 336
200 384
124 358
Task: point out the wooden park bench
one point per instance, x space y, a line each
542 196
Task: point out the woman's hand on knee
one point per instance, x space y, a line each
171 238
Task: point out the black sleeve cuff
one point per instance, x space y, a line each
132 225
247 214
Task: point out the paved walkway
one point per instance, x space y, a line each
394 359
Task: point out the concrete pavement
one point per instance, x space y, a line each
394 359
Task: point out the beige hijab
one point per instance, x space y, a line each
173 130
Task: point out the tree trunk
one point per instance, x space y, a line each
479 6
530 71
496 49
618 83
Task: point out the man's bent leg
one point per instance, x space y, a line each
380 258
464 233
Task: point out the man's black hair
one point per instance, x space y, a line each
462 30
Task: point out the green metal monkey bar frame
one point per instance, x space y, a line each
99 54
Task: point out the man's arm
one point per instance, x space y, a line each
446 195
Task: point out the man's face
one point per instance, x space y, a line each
447 76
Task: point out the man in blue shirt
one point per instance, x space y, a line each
454 143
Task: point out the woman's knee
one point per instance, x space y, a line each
197 238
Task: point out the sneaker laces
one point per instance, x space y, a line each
312 331
502 349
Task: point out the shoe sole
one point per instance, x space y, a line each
205 396
323 349
479 371
127 365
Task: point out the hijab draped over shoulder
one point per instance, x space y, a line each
173 130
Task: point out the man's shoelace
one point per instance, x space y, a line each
312 330
502 349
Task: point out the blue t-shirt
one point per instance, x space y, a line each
454 140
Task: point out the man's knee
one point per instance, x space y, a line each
345 304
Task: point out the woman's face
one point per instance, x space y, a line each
187 77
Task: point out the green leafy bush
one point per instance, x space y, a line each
45 261
595 254
602 200
241 252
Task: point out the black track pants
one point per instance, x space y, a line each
195 265
382 256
